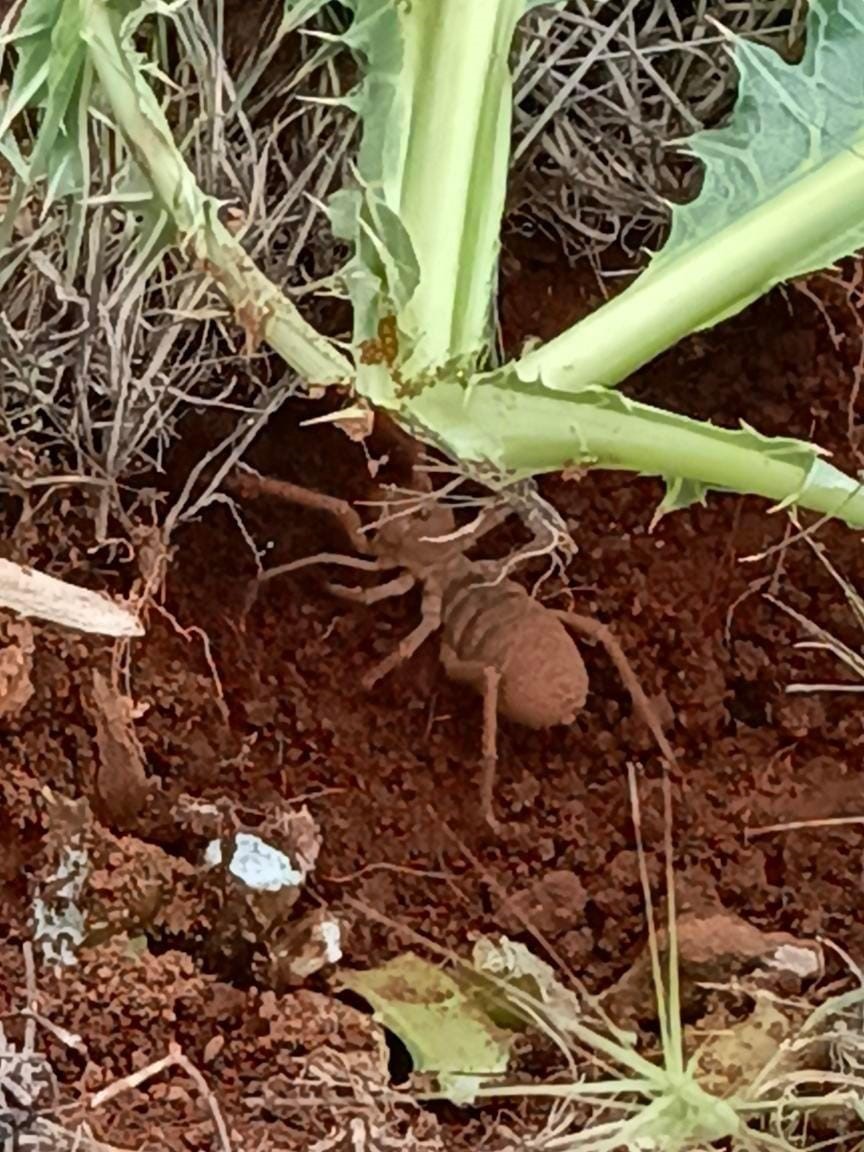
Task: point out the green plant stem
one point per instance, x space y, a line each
260 306
518 427
529 430
697 289
579 1090
452 201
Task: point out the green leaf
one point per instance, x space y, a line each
431 257
680 493
382 275
508 964
790 124
32 40
11 153
441 1023
782 197
50 75
517 979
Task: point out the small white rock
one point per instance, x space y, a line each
213 854
261 866
330 935
59 927
802 962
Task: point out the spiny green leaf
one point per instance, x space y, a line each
441 1023
50 75
527 429
680 493
782 197
790 121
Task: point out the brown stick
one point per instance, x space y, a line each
492 678
175 1058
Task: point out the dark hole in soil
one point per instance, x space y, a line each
747 705
399 1062
775 866
595 918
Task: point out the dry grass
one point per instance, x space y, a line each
821 639
107 340
604 94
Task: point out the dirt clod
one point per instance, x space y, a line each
554 903
121 777
719 948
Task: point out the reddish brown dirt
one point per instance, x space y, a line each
391 777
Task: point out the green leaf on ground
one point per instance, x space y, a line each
446 1031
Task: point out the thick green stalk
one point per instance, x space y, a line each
455 173
260 306
528 429
518 427
782 196
699 287
436 107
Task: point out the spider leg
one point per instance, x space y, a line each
251 486
486 679
596 631
430 622
364 565
398 586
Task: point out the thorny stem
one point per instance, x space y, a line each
259 305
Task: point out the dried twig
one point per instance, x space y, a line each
175 1058
796 825
32 593
105 344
